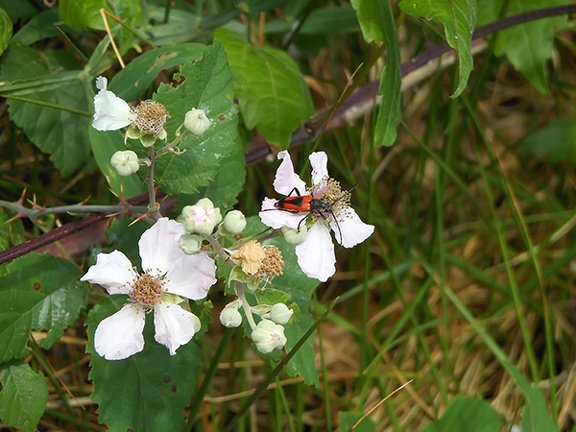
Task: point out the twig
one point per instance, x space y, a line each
33 214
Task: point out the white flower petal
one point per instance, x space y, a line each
286 179
319 163
111 112
174 326
191 276
120 335
277 218
159 245
353 230
112 271
315 254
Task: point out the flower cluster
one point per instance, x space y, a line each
179 256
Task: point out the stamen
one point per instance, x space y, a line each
330 191
272 264
147 290
150 116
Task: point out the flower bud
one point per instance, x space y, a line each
280 313
196 323
196 121
230 317
212 212
125 162
190 244
234 222
268 336
200 218
293 236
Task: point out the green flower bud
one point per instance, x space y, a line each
268 336
234 222
125 162
280 313
196 121
190 244
196 323
293 236
230 318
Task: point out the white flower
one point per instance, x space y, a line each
111 112
168 274
196 121
268 336
315 254
125 162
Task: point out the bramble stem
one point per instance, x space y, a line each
33 214
153 206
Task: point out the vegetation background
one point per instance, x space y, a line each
465 167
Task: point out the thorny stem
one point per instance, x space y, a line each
60 233
153 206
33 214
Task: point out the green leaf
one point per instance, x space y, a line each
5 30
132 81
11 233
535 416
207 85
82 14
329 20
556 143
377 23
273 95
229 181
390 84
271 296
467 414
147 391
38 292
459 19
182 26
47 24
23 396
348 420
53 129
256 6
528 46
104 145
373 17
